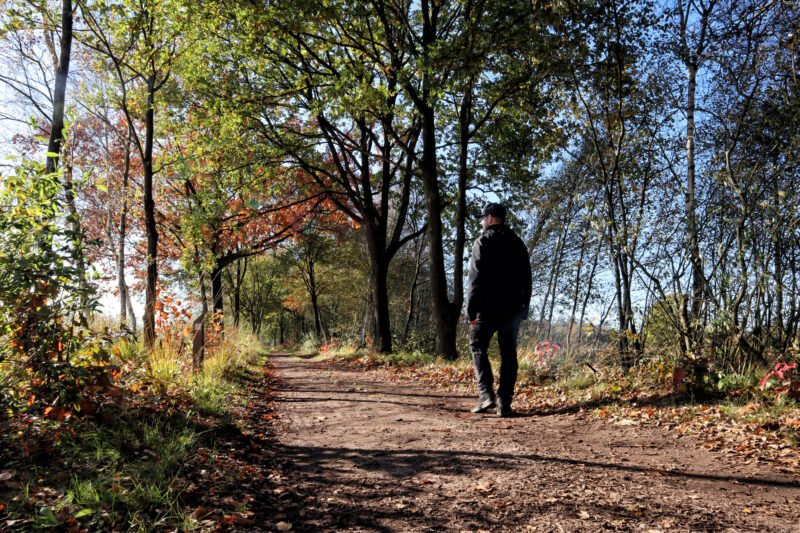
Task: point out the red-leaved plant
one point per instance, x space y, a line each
788 380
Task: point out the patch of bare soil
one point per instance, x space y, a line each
361 453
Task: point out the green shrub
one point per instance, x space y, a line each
43 302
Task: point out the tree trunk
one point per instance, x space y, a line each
55 142
379 273
557 274
698 277
150 220
75 223
412 298
203 293
779 290
576 290
235 280
441 306
237 305
589 286
317 319
217 303
128 302
368 303
124 297
313 294
281 332
241 272
552 280
464 135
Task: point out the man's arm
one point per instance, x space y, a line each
474 283
527 280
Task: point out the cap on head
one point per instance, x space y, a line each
496 210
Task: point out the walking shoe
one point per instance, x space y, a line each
483 405
504 410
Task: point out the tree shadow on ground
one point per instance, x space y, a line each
377 489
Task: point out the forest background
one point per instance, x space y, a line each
312 172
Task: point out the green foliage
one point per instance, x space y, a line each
662 323
310 343
44 336
409 358
581 381
727 382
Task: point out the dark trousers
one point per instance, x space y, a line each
479 336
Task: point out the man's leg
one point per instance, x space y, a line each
479 336
507 340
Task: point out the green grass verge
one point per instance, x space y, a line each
123 468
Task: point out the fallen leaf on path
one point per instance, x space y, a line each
283 526
483 486
747 511
792 423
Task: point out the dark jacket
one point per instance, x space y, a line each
499 283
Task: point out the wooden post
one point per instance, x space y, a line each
198 343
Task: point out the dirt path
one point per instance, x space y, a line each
364 453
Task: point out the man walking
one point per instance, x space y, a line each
498 296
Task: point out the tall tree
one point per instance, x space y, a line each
142 41
695 39
314 92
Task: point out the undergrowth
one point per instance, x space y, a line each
118 463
